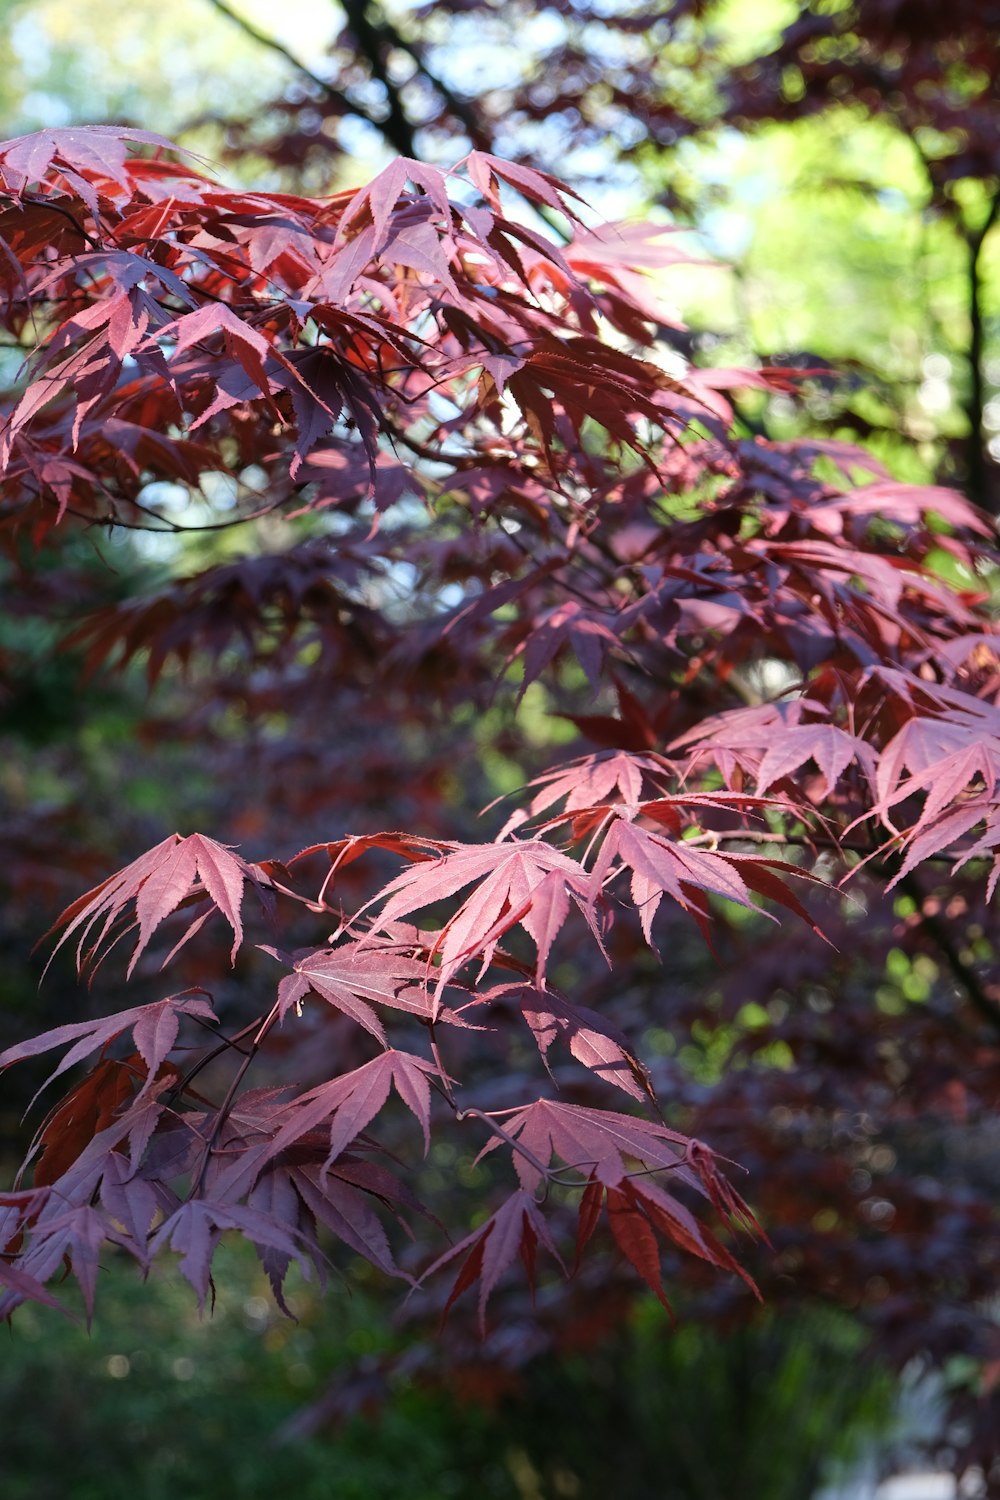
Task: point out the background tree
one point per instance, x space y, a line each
931 78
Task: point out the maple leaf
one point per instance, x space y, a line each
343 1210
353 974
515 1229
380 198
240 340
585 381
590 1139
830 748
635 1236
943 756
639 1209
195 1228
568 624
68 1227
98 149
23 1287
75 1236
604 1145
157 882
82 1114
951 760
517 882
131 1201
592 1039
907 504
592 779
536 186
619 257
343 852
154 1030
664 866
345 1106
274 1196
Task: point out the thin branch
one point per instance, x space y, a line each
59 208
942 938
505 1136
226 1106
228 1043
445 1082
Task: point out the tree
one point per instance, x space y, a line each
930 75
501 535
844 155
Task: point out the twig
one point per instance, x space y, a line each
943 940
231 1092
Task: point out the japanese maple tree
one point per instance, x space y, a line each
491 493
612 91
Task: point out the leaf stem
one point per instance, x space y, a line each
227 1103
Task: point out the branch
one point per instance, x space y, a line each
369 36
59 208
462 112
263 39
810 841
977 478
226 1106
963 973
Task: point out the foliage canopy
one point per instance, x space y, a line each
480 480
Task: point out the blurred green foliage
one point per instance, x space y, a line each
156 1402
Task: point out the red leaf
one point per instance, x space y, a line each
591 1203
494 1247
24 1288
90 1036
636 1240
352 974
511 888
195 1229
348 1103
537 187
594 1041
164 870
